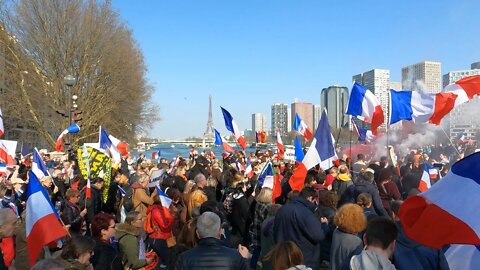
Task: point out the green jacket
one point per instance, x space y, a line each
70 264
128 237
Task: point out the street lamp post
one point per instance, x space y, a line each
69 81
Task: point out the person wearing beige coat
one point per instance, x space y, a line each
141 199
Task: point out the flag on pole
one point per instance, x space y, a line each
164 199
231 125
424 183
88 191
38 166
249 170
109 144
446 213
219 141
155 155
420 107
269 179
74 128
363 134
363 103
465 89
321 151
42 225
300 126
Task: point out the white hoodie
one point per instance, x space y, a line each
369 260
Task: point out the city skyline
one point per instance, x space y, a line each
249 55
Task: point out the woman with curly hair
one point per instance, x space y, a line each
349 220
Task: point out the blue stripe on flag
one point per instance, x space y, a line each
356 99
324 144
401 106
228 120
467 167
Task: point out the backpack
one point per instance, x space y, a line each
148 225
128 199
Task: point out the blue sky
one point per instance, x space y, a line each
250 54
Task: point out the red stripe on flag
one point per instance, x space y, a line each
277 188
307 134
471 85
432 226
58 145
444 103
297 180
377 119
44 231
242 142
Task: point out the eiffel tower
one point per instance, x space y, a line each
209 132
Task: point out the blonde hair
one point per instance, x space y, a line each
196 199
264 196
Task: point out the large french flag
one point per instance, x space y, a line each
114 148
7 151
74 128
300 126
281 149
42 225
232 127
424 183
420 107
363 134
219 141
447 213
321 151
363 103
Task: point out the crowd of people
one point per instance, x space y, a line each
343 218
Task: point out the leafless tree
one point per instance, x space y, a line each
49 39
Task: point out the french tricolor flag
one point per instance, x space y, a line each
155 155
363 134
300 126
38 166
363 103
249 170
164 199
219 141
114 148
74 128
3 169
447 213
232 126
281 149
424 183
420 107
269 179
42 225
7 151
321 151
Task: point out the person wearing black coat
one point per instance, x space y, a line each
71 213
365 184
296 222
210 253
240 212
106 256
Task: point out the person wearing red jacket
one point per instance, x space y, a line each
162 220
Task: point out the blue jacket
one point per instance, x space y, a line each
409 254
296 222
